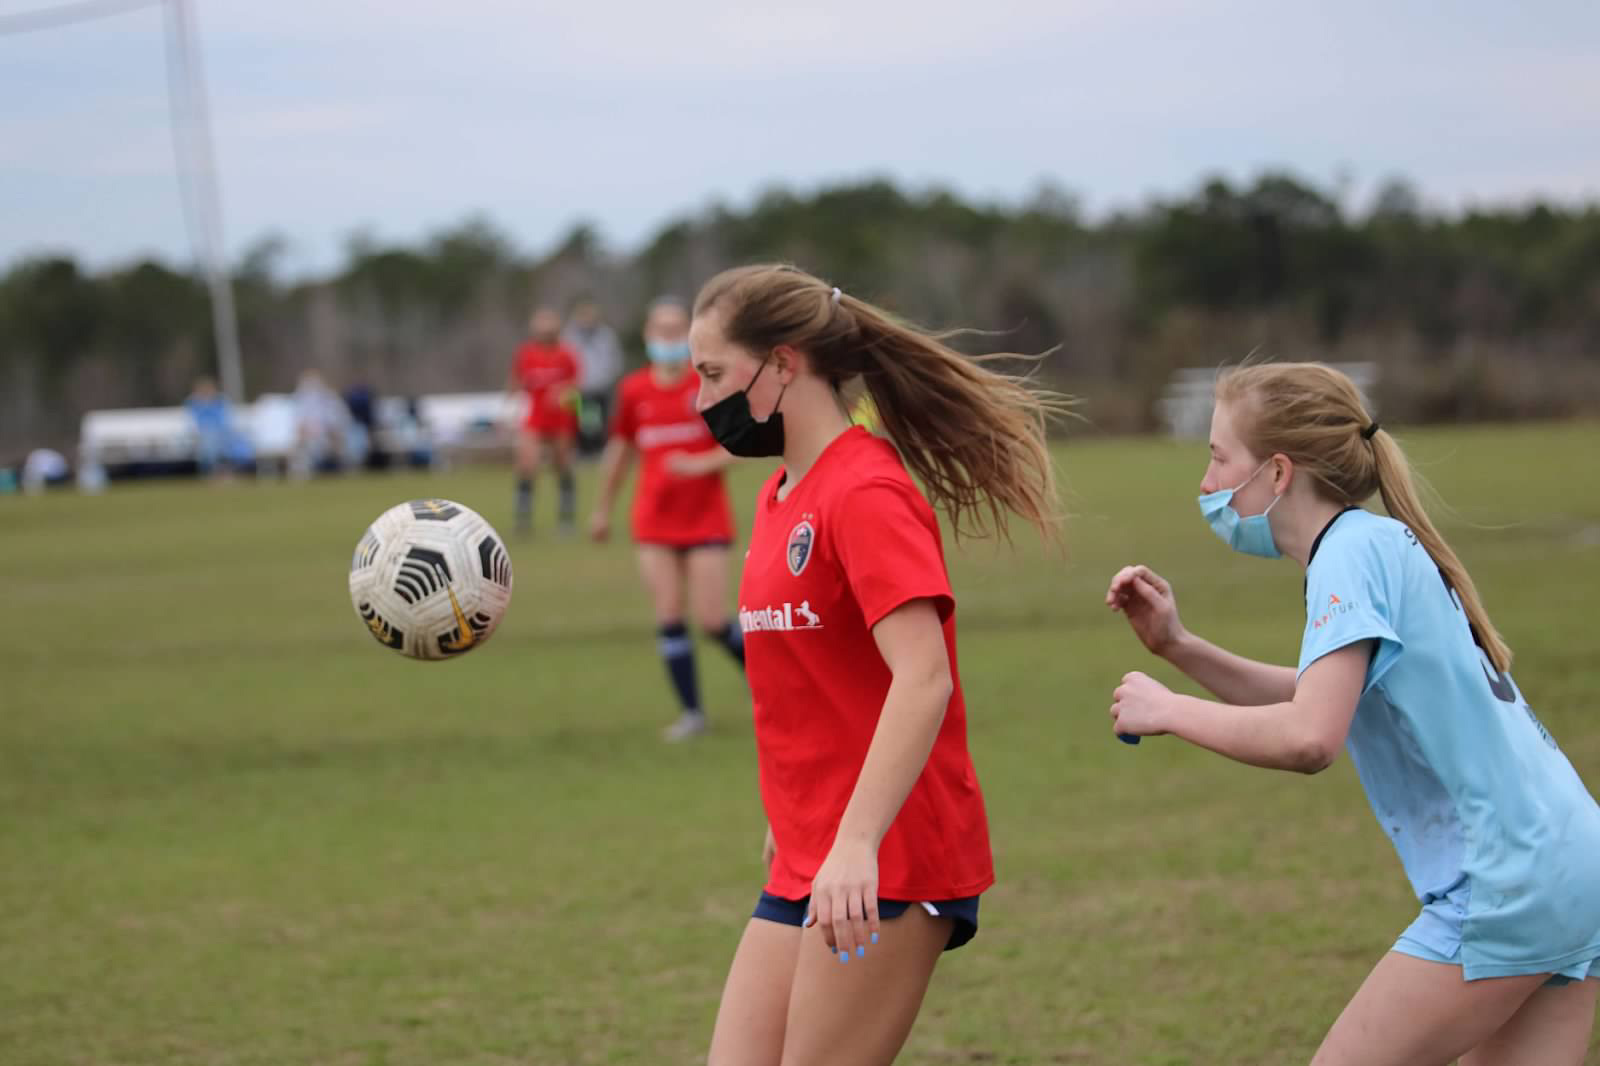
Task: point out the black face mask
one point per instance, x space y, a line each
737 430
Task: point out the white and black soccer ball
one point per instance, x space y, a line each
430 579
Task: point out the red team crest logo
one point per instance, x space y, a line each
798 551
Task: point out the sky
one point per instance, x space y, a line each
398 119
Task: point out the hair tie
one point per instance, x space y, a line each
1367 433
834 299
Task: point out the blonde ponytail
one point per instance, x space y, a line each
1316 416
1400 498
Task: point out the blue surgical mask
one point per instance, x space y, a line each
667 351
1252 534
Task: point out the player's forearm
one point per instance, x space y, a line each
613 466
913 711
1231 678
1277 736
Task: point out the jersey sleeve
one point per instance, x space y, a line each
887 541
625 419
1350 597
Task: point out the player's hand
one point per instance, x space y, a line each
844 898
1140 706
1146 600
769 850
599 527
682 464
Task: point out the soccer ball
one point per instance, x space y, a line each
430 579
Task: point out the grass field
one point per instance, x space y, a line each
234 830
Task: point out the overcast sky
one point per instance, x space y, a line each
401 117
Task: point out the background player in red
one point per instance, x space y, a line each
682 523
548 372
877 847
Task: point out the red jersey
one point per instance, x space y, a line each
548 372
854 540
660 420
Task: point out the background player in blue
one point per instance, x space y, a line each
1399 664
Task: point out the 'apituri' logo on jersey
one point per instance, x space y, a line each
1336 607
798 551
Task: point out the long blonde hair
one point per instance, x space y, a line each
975 437
1315 415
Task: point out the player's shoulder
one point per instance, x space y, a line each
868 456
869 472
1361 538
1361 526
634 382
859 457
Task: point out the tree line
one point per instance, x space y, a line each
1483 313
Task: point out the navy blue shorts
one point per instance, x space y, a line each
964 912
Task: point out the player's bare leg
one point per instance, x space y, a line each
563 449
1411 1012
529 454
663 572
1551 1028
707 579
755 1000
859 1013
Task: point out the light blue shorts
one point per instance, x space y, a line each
1436 937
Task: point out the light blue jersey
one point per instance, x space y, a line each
1498 835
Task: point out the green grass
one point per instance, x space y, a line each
233 830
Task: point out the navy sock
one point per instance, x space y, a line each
730 636
524 498
677 650
568 505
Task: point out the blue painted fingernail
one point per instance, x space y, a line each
874 938
844 956
861 952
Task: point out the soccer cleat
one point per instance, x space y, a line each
688 726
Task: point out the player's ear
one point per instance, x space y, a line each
1282 473
786 361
